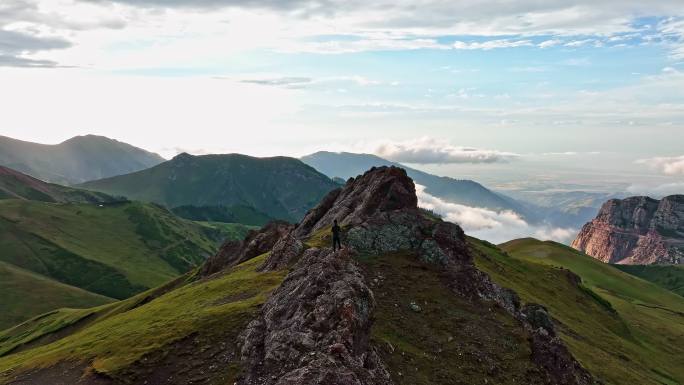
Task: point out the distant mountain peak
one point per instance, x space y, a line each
183 155
280 187
636 230
75 160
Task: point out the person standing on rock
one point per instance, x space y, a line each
336 236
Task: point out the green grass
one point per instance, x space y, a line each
15 185
233 214
120 334
670 277
231 231
621 328
25 294
112 250
450 341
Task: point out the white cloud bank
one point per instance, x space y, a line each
432 151
667 165
657 191
493 226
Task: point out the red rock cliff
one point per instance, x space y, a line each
637 231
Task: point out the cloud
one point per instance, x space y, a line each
657 191
493 226
672 29
492 44
287 82
16 61
549 43
579 43
16 47
360 43
466 17
298 82
430 151
666 165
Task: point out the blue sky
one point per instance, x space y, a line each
499 91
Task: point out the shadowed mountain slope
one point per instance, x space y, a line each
26 294
280 187
15 185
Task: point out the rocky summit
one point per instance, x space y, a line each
636 231
402 303
316 327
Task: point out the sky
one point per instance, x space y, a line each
576 94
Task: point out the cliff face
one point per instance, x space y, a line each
636 230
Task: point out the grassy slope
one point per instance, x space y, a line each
234 214
623 329
450 341
25 294
15 185
116 336
230 231
670 277
112 250
609 322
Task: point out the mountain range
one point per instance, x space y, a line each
568 210
76 160
409 300
279 187
346 165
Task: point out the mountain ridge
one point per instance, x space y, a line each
75 160
16 185
281 187
461 191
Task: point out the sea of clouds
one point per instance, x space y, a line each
493 226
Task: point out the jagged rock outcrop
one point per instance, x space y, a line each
256 242
636 230
382 189
316 327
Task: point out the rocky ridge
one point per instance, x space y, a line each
316 326
637 231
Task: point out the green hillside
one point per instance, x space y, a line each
280 187
621 328
114 250
670 277
25 294
234 214
154 325
76 160
624 330
15 185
